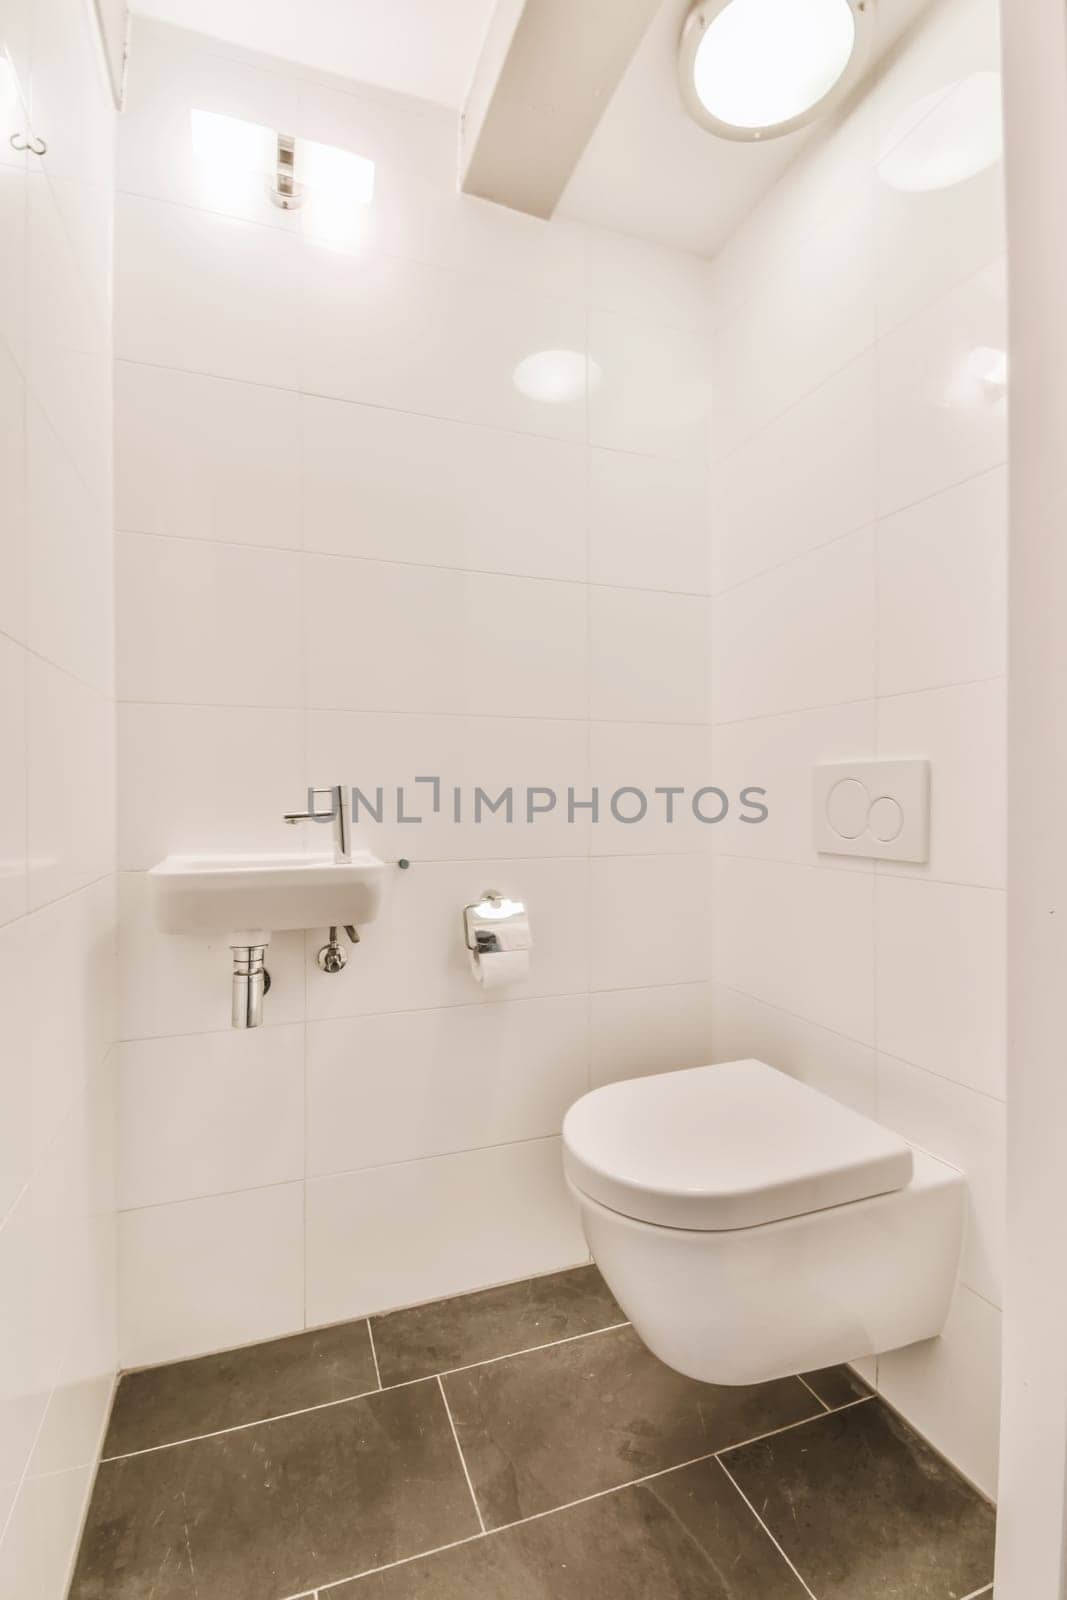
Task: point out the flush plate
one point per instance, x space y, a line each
879 809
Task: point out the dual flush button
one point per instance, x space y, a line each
878 809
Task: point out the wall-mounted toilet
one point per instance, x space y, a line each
751 1227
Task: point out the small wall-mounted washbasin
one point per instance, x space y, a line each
222 895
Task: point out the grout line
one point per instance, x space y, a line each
312 552
812 1392
462 1457
764 1526
789 1427
257 1422
404 1561
599 1494
977 1593
863 1044
374 1354
363 1394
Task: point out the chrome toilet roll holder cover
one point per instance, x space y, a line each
494 924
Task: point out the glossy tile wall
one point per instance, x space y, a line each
353 547
858 526
57 810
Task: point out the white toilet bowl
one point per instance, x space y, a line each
751 1227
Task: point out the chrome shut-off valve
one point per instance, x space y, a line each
333 957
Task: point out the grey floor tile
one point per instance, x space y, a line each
495 1322
188 1398
837 1386
542 1429
867 1511
687 1535
265 1512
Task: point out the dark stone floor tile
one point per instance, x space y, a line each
864 1508
685 1536
265 1512
837 1386
189 1398
495 1322
542 1429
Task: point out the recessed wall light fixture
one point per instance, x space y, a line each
757 69
239 158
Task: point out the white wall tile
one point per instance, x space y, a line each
32 1342
799 938
966 1129
942 582
961 732
383 1089
647 522
206 458
390 485
13 466
646 756
73 1024
68 365
391 1236
377 751
525 647
209 1114
814 314
646 386
211 1274
941 392
415 337
799 636
778 754
637 1032
13 793
937 110
16 1089
649 921
196 778
57 1258
386 637
70 782
414 956
941 979
648 656
949 1388
802 481
70 583
13 181
382 637
210 624
842 1068
637 278
231 290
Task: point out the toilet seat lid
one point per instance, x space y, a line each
728 1146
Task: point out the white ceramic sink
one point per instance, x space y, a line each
231 894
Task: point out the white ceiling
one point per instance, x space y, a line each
648 169
426 48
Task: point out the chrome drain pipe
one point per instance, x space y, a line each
251 980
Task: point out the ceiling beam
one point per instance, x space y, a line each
547 71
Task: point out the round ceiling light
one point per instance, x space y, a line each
756 69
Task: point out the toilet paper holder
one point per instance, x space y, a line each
494 923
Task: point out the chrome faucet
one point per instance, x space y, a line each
339 814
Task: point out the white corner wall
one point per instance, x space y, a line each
858 530
350 549
57 813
